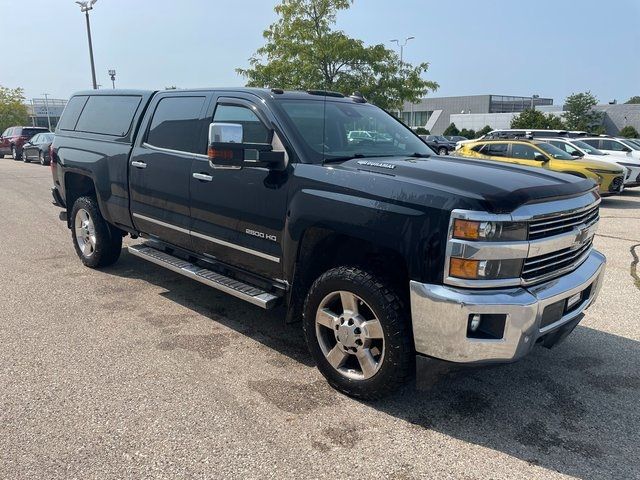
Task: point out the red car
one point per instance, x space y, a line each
13 138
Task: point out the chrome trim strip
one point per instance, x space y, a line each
166 150
209 239
237 247
161 223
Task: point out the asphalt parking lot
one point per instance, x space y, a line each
136 372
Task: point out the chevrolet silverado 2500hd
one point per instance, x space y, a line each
389 254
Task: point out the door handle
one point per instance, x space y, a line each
203 177
138 164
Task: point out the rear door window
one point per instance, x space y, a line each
176 124
525 152
612 145
495 149
108 114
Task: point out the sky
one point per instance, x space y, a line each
551 48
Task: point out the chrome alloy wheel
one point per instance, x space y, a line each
85 233
350 335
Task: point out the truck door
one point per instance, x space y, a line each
160 166
238 214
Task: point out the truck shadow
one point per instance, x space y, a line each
573 409
264 326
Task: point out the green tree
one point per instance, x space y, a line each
304 52
483 131
579 113
634 99
468 133
422 131
538 120
13 111
451 130
629 132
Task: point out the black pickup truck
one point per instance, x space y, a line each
390 255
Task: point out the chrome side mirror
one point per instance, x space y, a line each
225 133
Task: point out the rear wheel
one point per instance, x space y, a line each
97 243
14 153
358 333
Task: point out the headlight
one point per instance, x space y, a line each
489 231
484 269
606 172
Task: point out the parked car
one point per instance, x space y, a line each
527 133
455 138
537 153
619 146
439 144
13 138
579 149
37 148
388 254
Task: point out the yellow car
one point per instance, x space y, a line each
609 177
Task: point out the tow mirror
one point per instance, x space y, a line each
227 149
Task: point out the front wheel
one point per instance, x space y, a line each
442 151
358 333
43 160
96 242
25 158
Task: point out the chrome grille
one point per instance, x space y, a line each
555 263
562 223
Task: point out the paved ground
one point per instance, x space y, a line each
135 372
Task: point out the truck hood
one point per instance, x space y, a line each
500 187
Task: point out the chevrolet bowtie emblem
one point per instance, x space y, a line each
581 236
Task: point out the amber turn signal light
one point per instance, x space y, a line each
217 154
466 229
461 268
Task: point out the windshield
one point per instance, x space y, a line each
555 152
335 130
591 150
47 137
631 145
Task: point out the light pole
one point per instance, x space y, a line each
533 97
402 45
112 74
46 106
85 6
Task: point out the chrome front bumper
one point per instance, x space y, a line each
440 314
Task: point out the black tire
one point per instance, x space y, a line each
396 365
24 157
108 239
14 153
443 151
43 160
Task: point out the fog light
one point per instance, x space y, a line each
474 323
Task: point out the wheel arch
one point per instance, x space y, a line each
78 185
322 248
